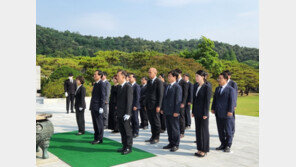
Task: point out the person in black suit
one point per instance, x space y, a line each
200 111
106 108
223 108
136 104
162 116
233 84
124 112
80 104
112 121
143 112
70 88
184 85
154 95
170 108
97 103
188 102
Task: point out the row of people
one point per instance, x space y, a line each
155 100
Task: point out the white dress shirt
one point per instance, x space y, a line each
153 79
223 88
77 88
198 90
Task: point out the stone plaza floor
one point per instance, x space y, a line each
245 148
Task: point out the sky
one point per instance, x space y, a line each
228 21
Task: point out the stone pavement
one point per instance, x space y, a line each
245 148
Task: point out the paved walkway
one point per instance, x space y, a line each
245 148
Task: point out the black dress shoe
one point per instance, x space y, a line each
97 142
126 151
145 127
220 147
115 131
162 131
154 141
195 141
200 155
148 140
135 135
141 127
227 149
72 112
120 150
167 147
79 133
175 148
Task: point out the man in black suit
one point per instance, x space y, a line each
162 116
171 108
233 84
154 95
136 104
223 108
143 112
97 103
70 88
188 102
184 85
106 108
124 112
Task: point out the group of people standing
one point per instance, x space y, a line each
166 106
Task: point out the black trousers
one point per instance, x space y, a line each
112 118
225 128
202 134
143 116
125 129
173 130
154 119
187 115
98 125
80 120
182 120
106 114
70 99
162 122
135 121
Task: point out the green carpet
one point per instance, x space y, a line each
78 152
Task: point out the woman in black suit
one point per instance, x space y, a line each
80 104
112 121
202 93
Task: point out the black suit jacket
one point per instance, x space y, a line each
124 100
80 97
98 96
201 102
143 95
113 95
184 85
154 94
136 95
172 99
234 86
69 87
190 93
225 102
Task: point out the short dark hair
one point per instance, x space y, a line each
162 75
186 74
178 71
114 77
227 72
81 79
71 74
105 73
174 73
224 75
202 73
134 75
100 72
124 73
145 78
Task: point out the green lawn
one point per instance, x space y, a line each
248 105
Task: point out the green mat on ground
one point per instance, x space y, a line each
77 151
